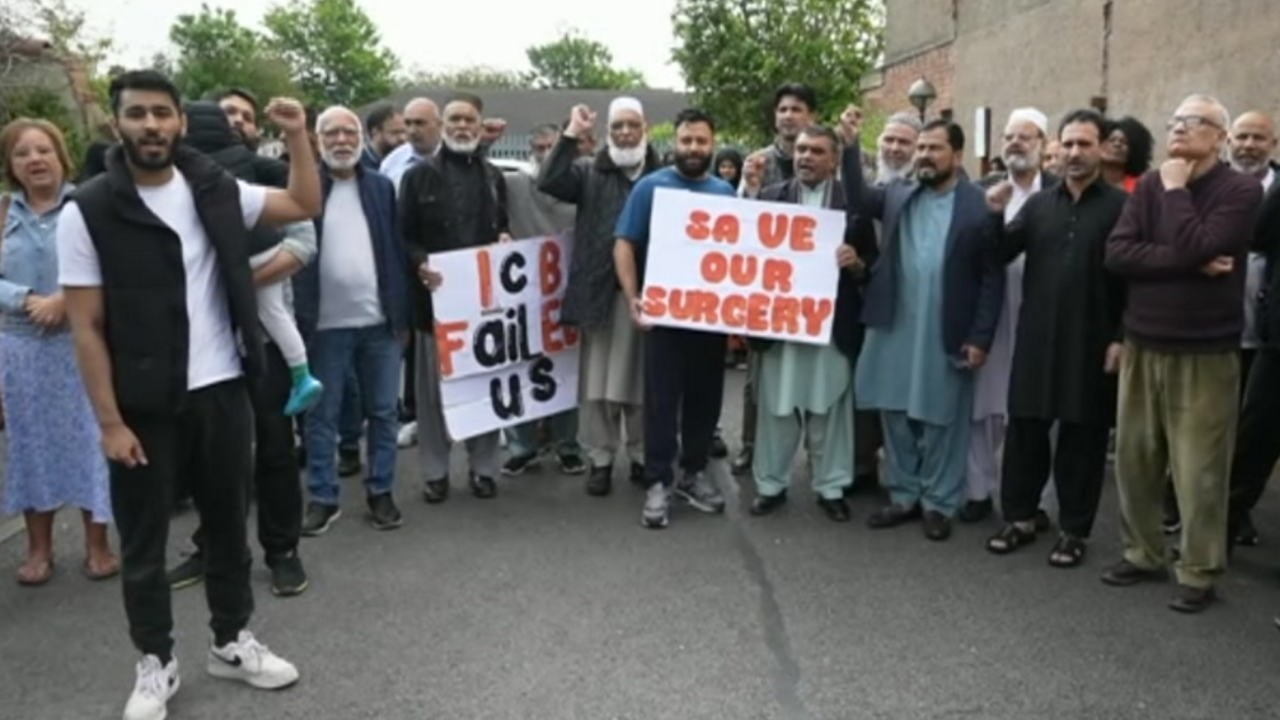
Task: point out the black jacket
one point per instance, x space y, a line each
144 280
448 202
1266 240
209 132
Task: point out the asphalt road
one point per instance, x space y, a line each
545 604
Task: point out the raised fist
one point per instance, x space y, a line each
287 114
999 195
851 123
581 121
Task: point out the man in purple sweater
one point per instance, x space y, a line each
1181 246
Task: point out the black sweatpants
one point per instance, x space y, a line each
275 472
1257 438
213 432
1079 468
683 391
409 394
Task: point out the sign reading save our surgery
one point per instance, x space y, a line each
505 359
742 267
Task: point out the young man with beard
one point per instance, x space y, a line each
931 307
452 200
1067 345
1181 246
385 126
241 108
1023 141
683 369
611 375
166 228
805 392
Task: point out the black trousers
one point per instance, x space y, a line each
1257 438
1079 468
683 392
275 472
213 431
409 395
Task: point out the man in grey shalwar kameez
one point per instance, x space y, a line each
611 374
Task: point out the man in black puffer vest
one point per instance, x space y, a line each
278 490
154 265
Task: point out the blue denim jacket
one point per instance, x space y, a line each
28 262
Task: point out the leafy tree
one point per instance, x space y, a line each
475 77
215 50
577 62
734 54
334 51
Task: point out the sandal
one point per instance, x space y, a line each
1010 538
35 573
1068 552
113 569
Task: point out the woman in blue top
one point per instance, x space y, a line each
55 458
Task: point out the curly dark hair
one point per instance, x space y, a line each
1141 144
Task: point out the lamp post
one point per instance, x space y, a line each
921 94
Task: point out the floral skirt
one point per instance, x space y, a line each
54 445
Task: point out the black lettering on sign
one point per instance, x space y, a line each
510 406
542 379
503 340
513 284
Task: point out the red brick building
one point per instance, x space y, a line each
1129 57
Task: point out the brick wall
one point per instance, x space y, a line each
935 65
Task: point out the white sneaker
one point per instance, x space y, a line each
156 683
408 436
250 662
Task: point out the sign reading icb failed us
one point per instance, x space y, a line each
505 359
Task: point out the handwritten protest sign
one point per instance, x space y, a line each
742 267
505 359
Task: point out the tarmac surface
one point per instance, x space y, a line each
546 604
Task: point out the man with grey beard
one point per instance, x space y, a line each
453 200
1024 140
896 148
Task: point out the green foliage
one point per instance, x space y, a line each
216 51
869 134
662 135
577 62
735 53
333 50
475 77
66 28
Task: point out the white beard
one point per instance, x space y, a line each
886 174
628 157
1023 163
462 148
336 164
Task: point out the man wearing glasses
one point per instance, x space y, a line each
1181 246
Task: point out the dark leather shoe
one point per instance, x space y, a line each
937 527
600 481
766 504
483 487
891 516
837 510
436 491
976 511
1126 574
1191 600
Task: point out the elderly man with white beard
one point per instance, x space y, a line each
352 305
611 387
1024 140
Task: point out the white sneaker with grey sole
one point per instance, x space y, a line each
155 685
250 662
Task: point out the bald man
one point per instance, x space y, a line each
1253 143
422 135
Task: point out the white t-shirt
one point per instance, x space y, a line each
348 271
213 353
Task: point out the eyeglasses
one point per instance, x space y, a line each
1191 122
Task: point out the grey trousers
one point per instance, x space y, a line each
600 431
433 438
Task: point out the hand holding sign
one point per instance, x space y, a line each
847 258
429 277
581 121
638 314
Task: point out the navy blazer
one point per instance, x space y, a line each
973 283
378 198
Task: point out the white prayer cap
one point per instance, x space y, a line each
1031 115
622 104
